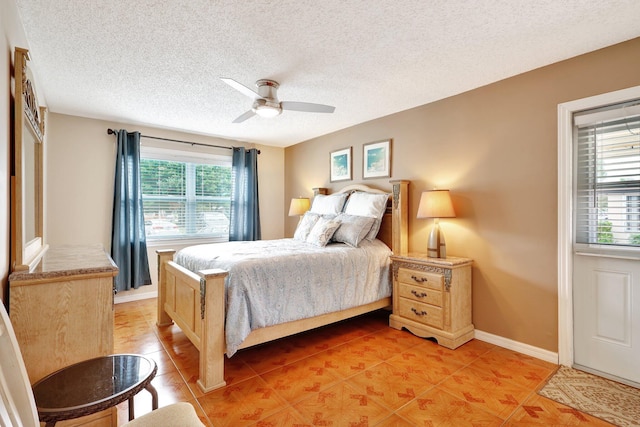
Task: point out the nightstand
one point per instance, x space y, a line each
432 297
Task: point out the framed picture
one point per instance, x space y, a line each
376 157
340 165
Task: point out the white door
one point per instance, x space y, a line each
606 297
606 259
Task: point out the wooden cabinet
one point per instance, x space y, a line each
432 298
62 313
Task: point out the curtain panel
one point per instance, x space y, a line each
245 212
128 240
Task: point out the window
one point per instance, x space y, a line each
633 214
185 196
608 181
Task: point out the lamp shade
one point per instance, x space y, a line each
299 206
436 204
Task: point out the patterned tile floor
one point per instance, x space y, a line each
355 373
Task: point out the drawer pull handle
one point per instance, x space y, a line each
418 313
418 295
419 279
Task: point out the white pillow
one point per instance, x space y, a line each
322 231
353 229
328 204
371 205
305 225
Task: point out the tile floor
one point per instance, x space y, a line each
355 373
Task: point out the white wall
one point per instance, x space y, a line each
79 184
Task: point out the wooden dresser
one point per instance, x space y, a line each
432 298
62 312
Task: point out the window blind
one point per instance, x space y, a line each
607 165
185 196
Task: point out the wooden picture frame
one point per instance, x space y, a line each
376 159
340 165
27 181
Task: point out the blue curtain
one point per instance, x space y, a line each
128 241
245 212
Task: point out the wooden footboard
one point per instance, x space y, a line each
196 303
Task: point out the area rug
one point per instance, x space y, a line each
608 400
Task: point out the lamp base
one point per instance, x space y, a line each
436 247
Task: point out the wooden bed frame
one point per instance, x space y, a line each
196 302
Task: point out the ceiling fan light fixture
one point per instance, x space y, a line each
264 108
266 104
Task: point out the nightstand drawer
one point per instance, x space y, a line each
421 294
423 313
428 280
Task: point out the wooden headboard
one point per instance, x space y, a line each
394 231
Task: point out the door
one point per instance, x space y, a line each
606 257
606 309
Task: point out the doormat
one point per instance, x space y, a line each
608 400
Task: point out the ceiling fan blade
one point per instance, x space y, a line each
241 88
244 116
306 107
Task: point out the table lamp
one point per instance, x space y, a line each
299 206
436 204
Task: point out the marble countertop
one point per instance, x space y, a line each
69 260
449 261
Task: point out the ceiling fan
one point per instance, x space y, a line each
266 104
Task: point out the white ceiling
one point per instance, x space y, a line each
159 63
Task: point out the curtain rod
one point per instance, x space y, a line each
113 132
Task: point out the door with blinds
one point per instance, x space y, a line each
606 260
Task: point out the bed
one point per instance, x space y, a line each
193 296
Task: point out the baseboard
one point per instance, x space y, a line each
529 350
120 298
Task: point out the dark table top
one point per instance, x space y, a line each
92 385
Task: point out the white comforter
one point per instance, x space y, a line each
277 281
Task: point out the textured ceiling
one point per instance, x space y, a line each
159 63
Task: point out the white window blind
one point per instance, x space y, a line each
607 195
185 195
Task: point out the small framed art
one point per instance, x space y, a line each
376 157
340 165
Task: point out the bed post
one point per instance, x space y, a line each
212 337
320 190
400 211
164 256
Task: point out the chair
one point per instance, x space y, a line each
18 407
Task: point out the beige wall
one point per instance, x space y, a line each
495 148
79 182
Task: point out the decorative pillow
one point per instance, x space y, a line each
305 225
375 228
353 229
328 204
371 205
322 231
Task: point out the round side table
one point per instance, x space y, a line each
93 386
